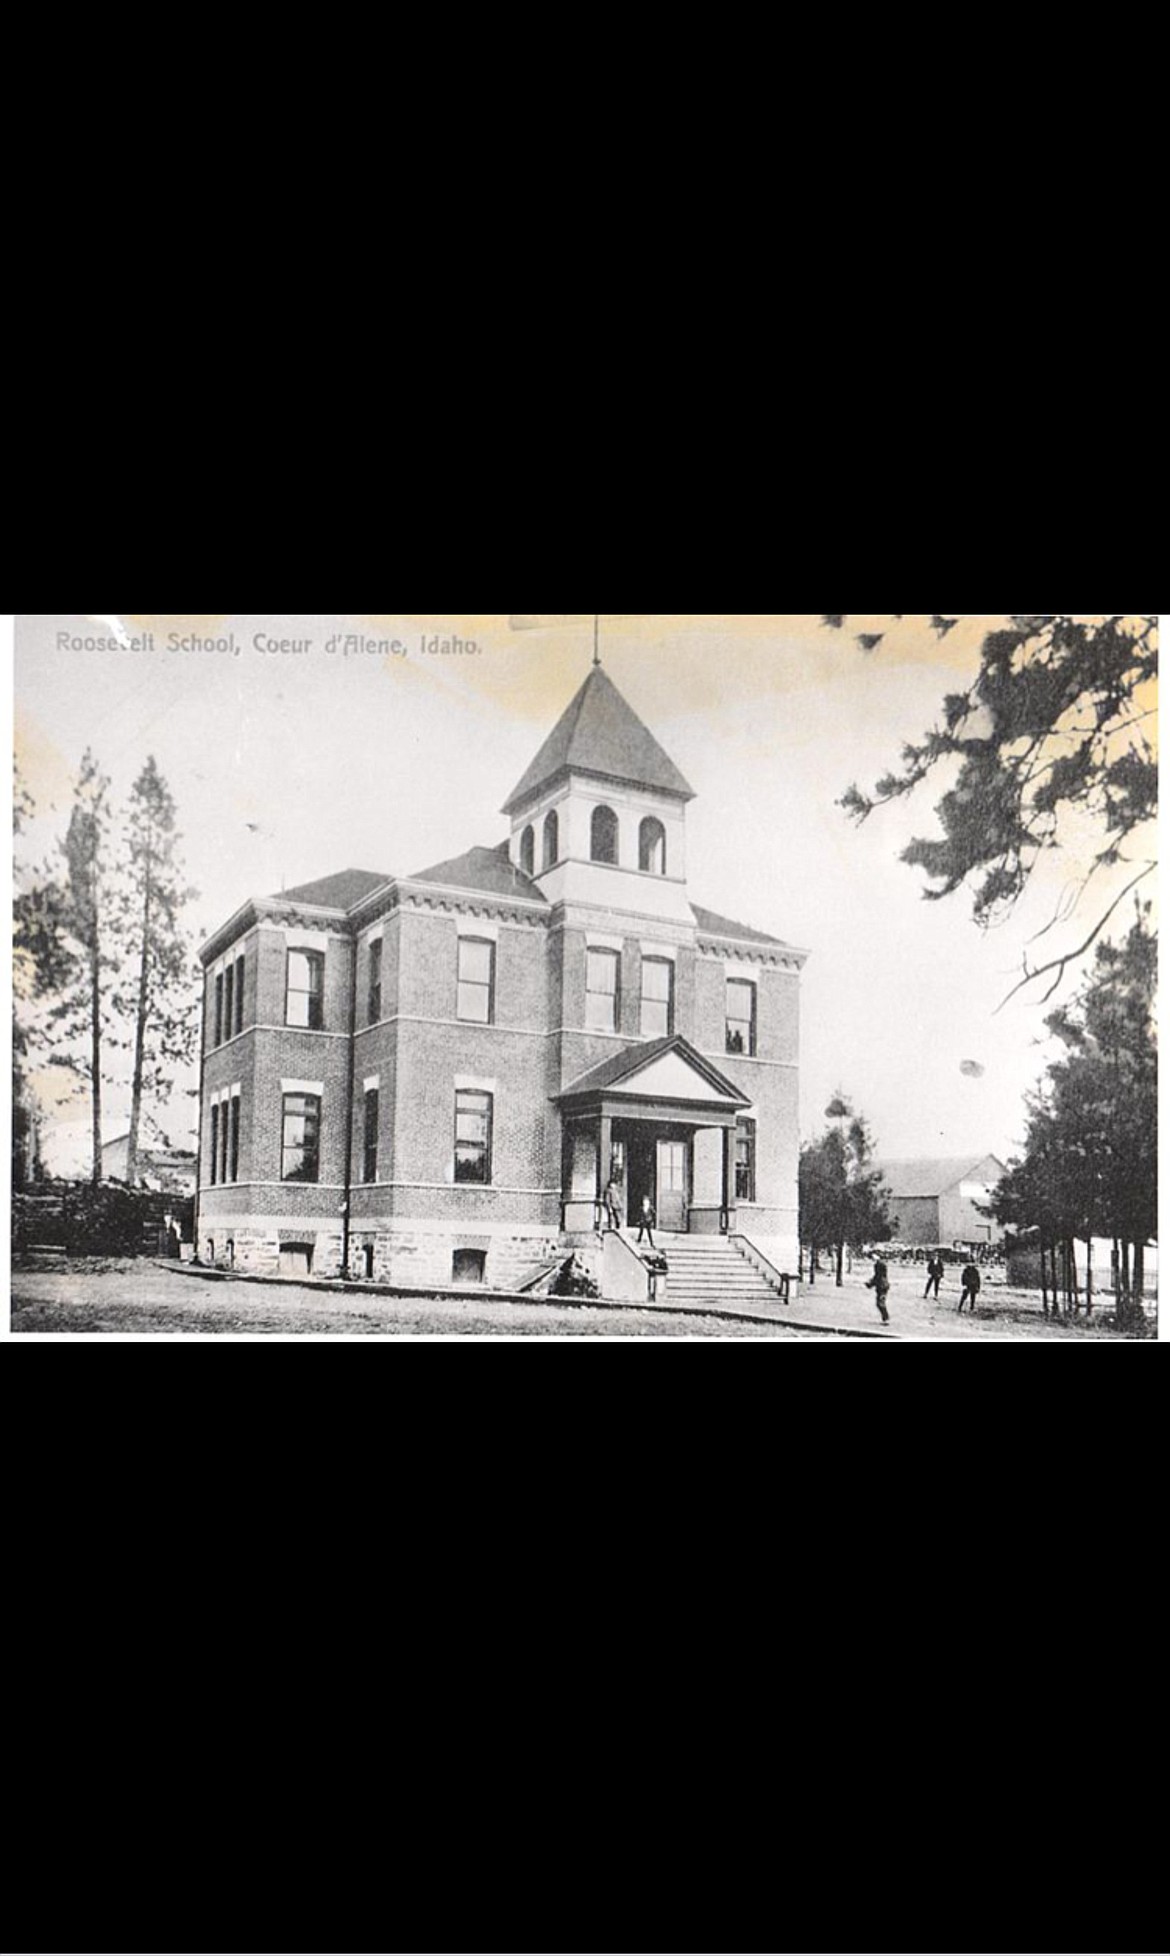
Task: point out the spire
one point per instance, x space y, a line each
600 734
597 640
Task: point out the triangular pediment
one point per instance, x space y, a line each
668 1069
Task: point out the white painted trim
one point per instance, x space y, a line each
667 953
374 936
594 941
372 1085
304 1086
481 927
306 940
467 1083
734 968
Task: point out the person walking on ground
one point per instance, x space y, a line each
646 1225
879 1283
613 1203
934 1274
972 1285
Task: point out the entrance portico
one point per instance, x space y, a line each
661 1120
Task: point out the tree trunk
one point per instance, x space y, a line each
1139 1277
840 1265
140 1036
95 1060
1088 1276
1043 1277
1124 1293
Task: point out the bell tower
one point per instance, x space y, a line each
599 818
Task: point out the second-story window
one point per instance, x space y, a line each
657 998
741 1017
477 981
374 1002
604 836
301 1153
652 847
603 992
306 990
239 995
229 1002
218 1040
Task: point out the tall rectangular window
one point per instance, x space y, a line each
306 990
225 1122
239 995
741 1017
374 1002
214 1145
657 998
477 981
603 992
234 1146
473 1138
218 1040
229 1001
371 1141
301 1158
745 1162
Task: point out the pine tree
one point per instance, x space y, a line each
158 998
61 941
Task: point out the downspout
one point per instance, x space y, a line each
350 1113
199 1149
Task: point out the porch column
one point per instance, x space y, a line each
604 1157
728 1176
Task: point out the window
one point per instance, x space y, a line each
741 1017
552 840
306 990
657 998
218 1040
745 1162
528 850
214 1145
229 1002
477 981
603 992
301 1159
233 1174
473 1138
605 836
374 1003
225 1119
239 995
652 847
371 1141
469 1267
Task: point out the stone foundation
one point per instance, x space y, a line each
415 1257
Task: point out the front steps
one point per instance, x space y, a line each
708 1272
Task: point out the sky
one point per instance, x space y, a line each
290 765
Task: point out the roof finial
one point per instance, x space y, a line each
597 638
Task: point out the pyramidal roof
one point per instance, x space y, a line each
599 733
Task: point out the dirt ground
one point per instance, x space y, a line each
132 1298
135 1298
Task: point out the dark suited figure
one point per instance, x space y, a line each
613 1203
647 1221
879 1283
934 1274
972 1285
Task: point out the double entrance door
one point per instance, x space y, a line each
657 1166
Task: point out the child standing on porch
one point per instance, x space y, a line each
646 1226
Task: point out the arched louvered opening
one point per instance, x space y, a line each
605 836
552 839
652 847
528 851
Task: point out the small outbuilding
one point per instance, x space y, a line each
942 1202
